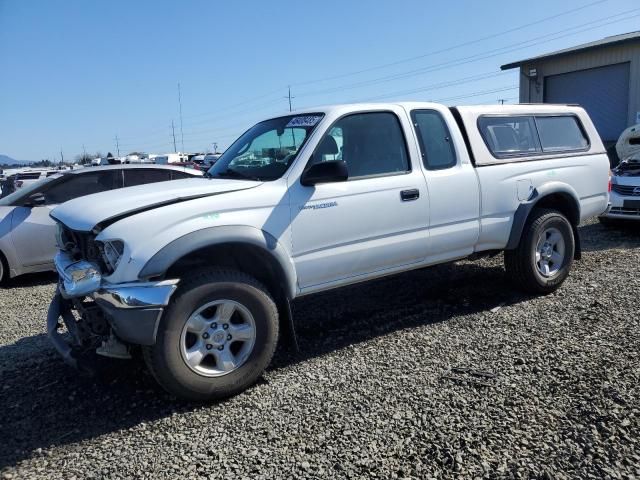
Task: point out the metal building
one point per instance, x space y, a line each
602 76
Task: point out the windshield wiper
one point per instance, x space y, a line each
229 173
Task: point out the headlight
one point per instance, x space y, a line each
62 238
59 236
112 251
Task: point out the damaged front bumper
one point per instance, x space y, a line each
132 310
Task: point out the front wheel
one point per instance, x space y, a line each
542 260
216 337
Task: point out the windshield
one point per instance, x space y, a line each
19 196
266 150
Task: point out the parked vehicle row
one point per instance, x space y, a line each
199 161
201 273
27 232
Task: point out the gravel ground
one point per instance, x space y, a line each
374 392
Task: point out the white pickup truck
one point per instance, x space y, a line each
201 272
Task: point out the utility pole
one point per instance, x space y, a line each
215 147
84 150
173 129
293 135
180 106
502 100
61 156
290 97
117 146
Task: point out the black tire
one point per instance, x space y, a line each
4 270
520 262
164 359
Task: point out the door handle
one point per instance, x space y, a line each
408 195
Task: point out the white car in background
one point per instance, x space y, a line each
28 177
27 233
624 197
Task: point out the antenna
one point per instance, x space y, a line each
180 106
174 137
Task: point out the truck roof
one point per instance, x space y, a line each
480 109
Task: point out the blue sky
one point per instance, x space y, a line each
78 72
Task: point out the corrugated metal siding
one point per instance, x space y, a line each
603 92
532 90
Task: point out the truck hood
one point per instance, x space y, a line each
101 209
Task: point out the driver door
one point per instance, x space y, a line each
376 221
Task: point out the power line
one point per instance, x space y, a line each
231 107
475 94
467 95
438 86
448 49
474 58
431 68
488 37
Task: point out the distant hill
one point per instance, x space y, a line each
7 160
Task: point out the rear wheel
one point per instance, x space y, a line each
542 260
216 337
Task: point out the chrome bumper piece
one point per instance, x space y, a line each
136 295
133 310
78 278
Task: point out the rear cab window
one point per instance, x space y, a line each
436 146
529 135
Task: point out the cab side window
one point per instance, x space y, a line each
371 144
434 138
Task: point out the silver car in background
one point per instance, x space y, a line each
28 234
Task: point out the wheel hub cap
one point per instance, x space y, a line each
218 338
549 253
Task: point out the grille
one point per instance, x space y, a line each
626 190
626 211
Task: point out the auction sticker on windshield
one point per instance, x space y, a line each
306 121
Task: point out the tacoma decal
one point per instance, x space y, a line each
318 206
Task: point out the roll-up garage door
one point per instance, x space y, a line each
603 92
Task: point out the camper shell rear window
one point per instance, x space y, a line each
512 136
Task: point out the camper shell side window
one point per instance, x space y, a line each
526 135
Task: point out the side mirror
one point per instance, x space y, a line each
325 172
35 200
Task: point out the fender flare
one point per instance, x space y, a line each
160 262
524 209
